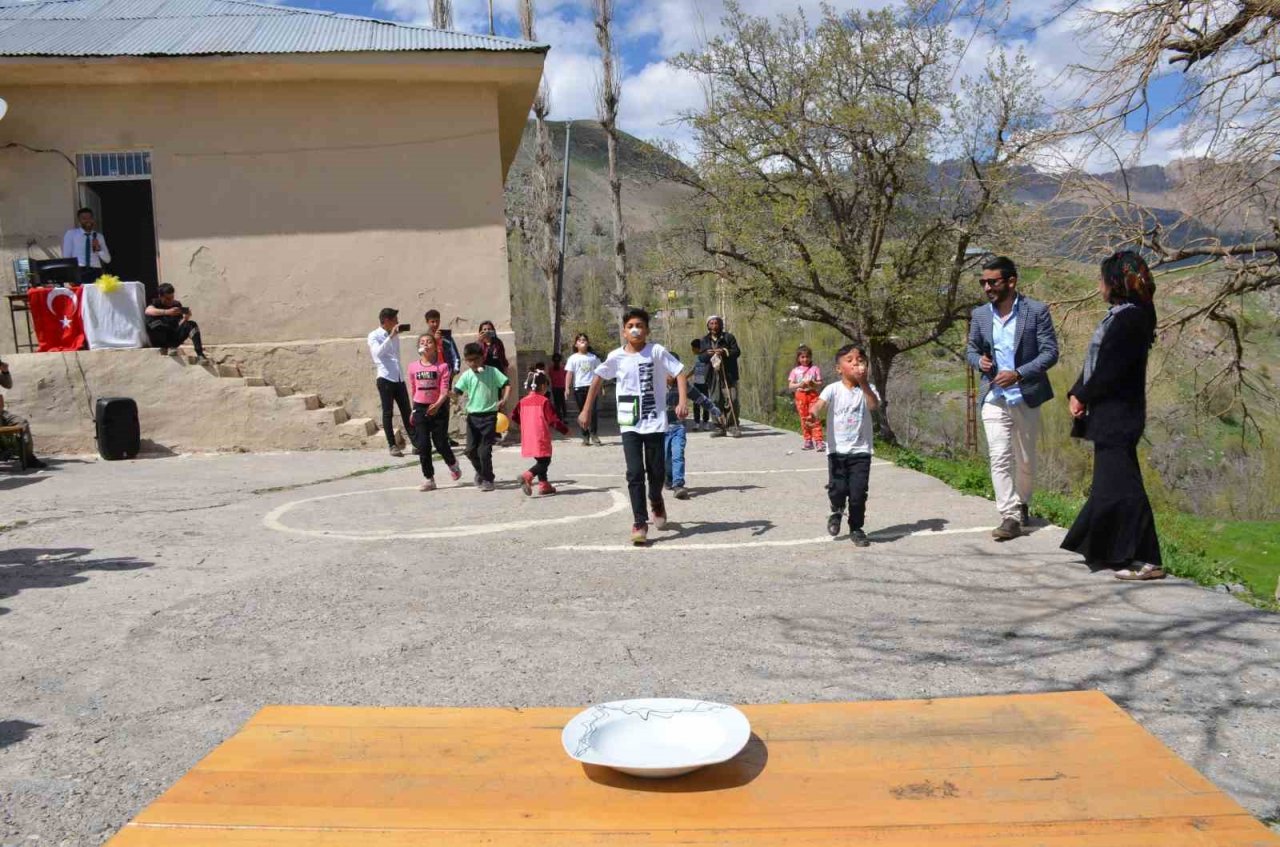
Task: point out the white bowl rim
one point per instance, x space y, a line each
578 730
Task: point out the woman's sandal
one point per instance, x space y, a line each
1142 574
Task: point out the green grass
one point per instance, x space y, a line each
1204 550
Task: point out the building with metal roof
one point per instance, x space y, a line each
209 27
290 171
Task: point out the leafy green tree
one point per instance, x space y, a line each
844 176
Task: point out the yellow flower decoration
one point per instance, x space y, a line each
108 283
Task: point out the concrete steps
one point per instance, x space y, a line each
257 391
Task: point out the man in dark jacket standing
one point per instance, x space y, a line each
1012 345
721 349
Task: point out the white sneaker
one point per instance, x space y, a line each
428 485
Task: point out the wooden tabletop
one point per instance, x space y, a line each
1043 769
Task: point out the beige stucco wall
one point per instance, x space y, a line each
284 211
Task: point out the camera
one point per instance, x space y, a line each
404 327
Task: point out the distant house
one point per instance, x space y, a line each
290 171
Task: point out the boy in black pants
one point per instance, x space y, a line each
486 390
849 404
641 370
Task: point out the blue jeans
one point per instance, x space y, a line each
673 453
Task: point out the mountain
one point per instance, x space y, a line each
646 199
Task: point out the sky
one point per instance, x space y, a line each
648 33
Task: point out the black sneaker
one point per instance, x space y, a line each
833 524
681 493
859 538
1009 529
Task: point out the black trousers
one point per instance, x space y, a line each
848 477
481 430
398 393
1116 525
557 403
172 337
580 395
432 429
645 463
540 467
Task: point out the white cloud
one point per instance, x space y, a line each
654 99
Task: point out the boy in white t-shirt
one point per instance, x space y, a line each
641 370
849 404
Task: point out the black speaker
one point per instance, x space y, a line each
117 428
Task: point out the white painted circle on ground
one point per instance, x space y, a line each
657 544
274 518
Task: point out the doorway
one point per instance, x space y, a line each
126 215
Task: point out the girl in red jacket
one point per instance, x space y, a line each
536 418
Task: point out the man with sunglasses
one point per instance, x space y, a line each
1012 345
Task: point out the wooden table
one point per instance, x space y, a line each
1045 769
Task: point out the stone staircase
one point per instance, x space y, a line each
351 431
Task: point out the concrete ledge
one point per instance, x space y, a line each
181 407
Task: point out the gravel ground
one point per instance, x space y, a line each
148 608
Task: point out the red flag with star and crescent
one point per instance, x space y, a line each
55 315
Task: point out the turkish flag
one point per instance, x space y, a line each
55 314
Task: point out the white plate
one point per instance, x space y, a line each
656 736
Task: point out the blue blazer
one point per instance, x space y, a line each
1035 350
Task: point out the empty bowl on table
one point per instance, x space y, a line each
657 736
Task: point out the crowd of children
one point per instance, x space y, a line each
654 394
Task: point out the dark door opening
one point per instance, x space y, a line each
127 218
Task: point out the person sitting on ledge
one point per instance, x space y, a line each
6 419
169 324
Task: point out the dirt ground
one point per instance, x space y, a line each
148 608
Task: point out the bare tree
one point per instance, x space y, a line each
609 95
546 248
442 14
1225 243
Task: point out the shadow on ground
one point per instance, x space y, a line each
11 732
26 568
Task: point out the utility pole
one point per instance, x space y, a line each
970 406
564 232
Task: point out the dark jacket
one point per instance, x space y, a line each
730 364
1034 351
1115 397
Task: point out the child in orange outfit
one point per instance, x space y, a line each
805 380
536 418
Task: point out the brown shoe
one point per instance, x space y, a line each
1009 529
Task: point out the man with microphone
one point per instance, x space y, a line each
87 246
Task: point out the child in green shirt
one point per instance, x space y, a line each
486 390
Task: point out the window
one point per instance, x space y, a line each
129 165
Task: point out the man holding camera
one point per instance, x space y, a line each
169 323
384 346
721 349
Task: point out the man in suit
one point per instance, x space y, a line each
1012 345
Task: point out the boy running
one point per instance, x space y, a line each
486 390
849 404
641 370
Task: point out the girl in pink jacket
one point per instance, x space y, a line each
536 418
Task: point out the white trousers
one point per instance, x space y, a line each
1011 446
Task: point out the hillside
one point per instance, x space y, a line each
646 200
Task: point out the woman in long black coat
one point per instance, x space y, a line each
1109 406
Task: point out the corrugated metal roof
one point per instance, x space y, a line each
205 27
